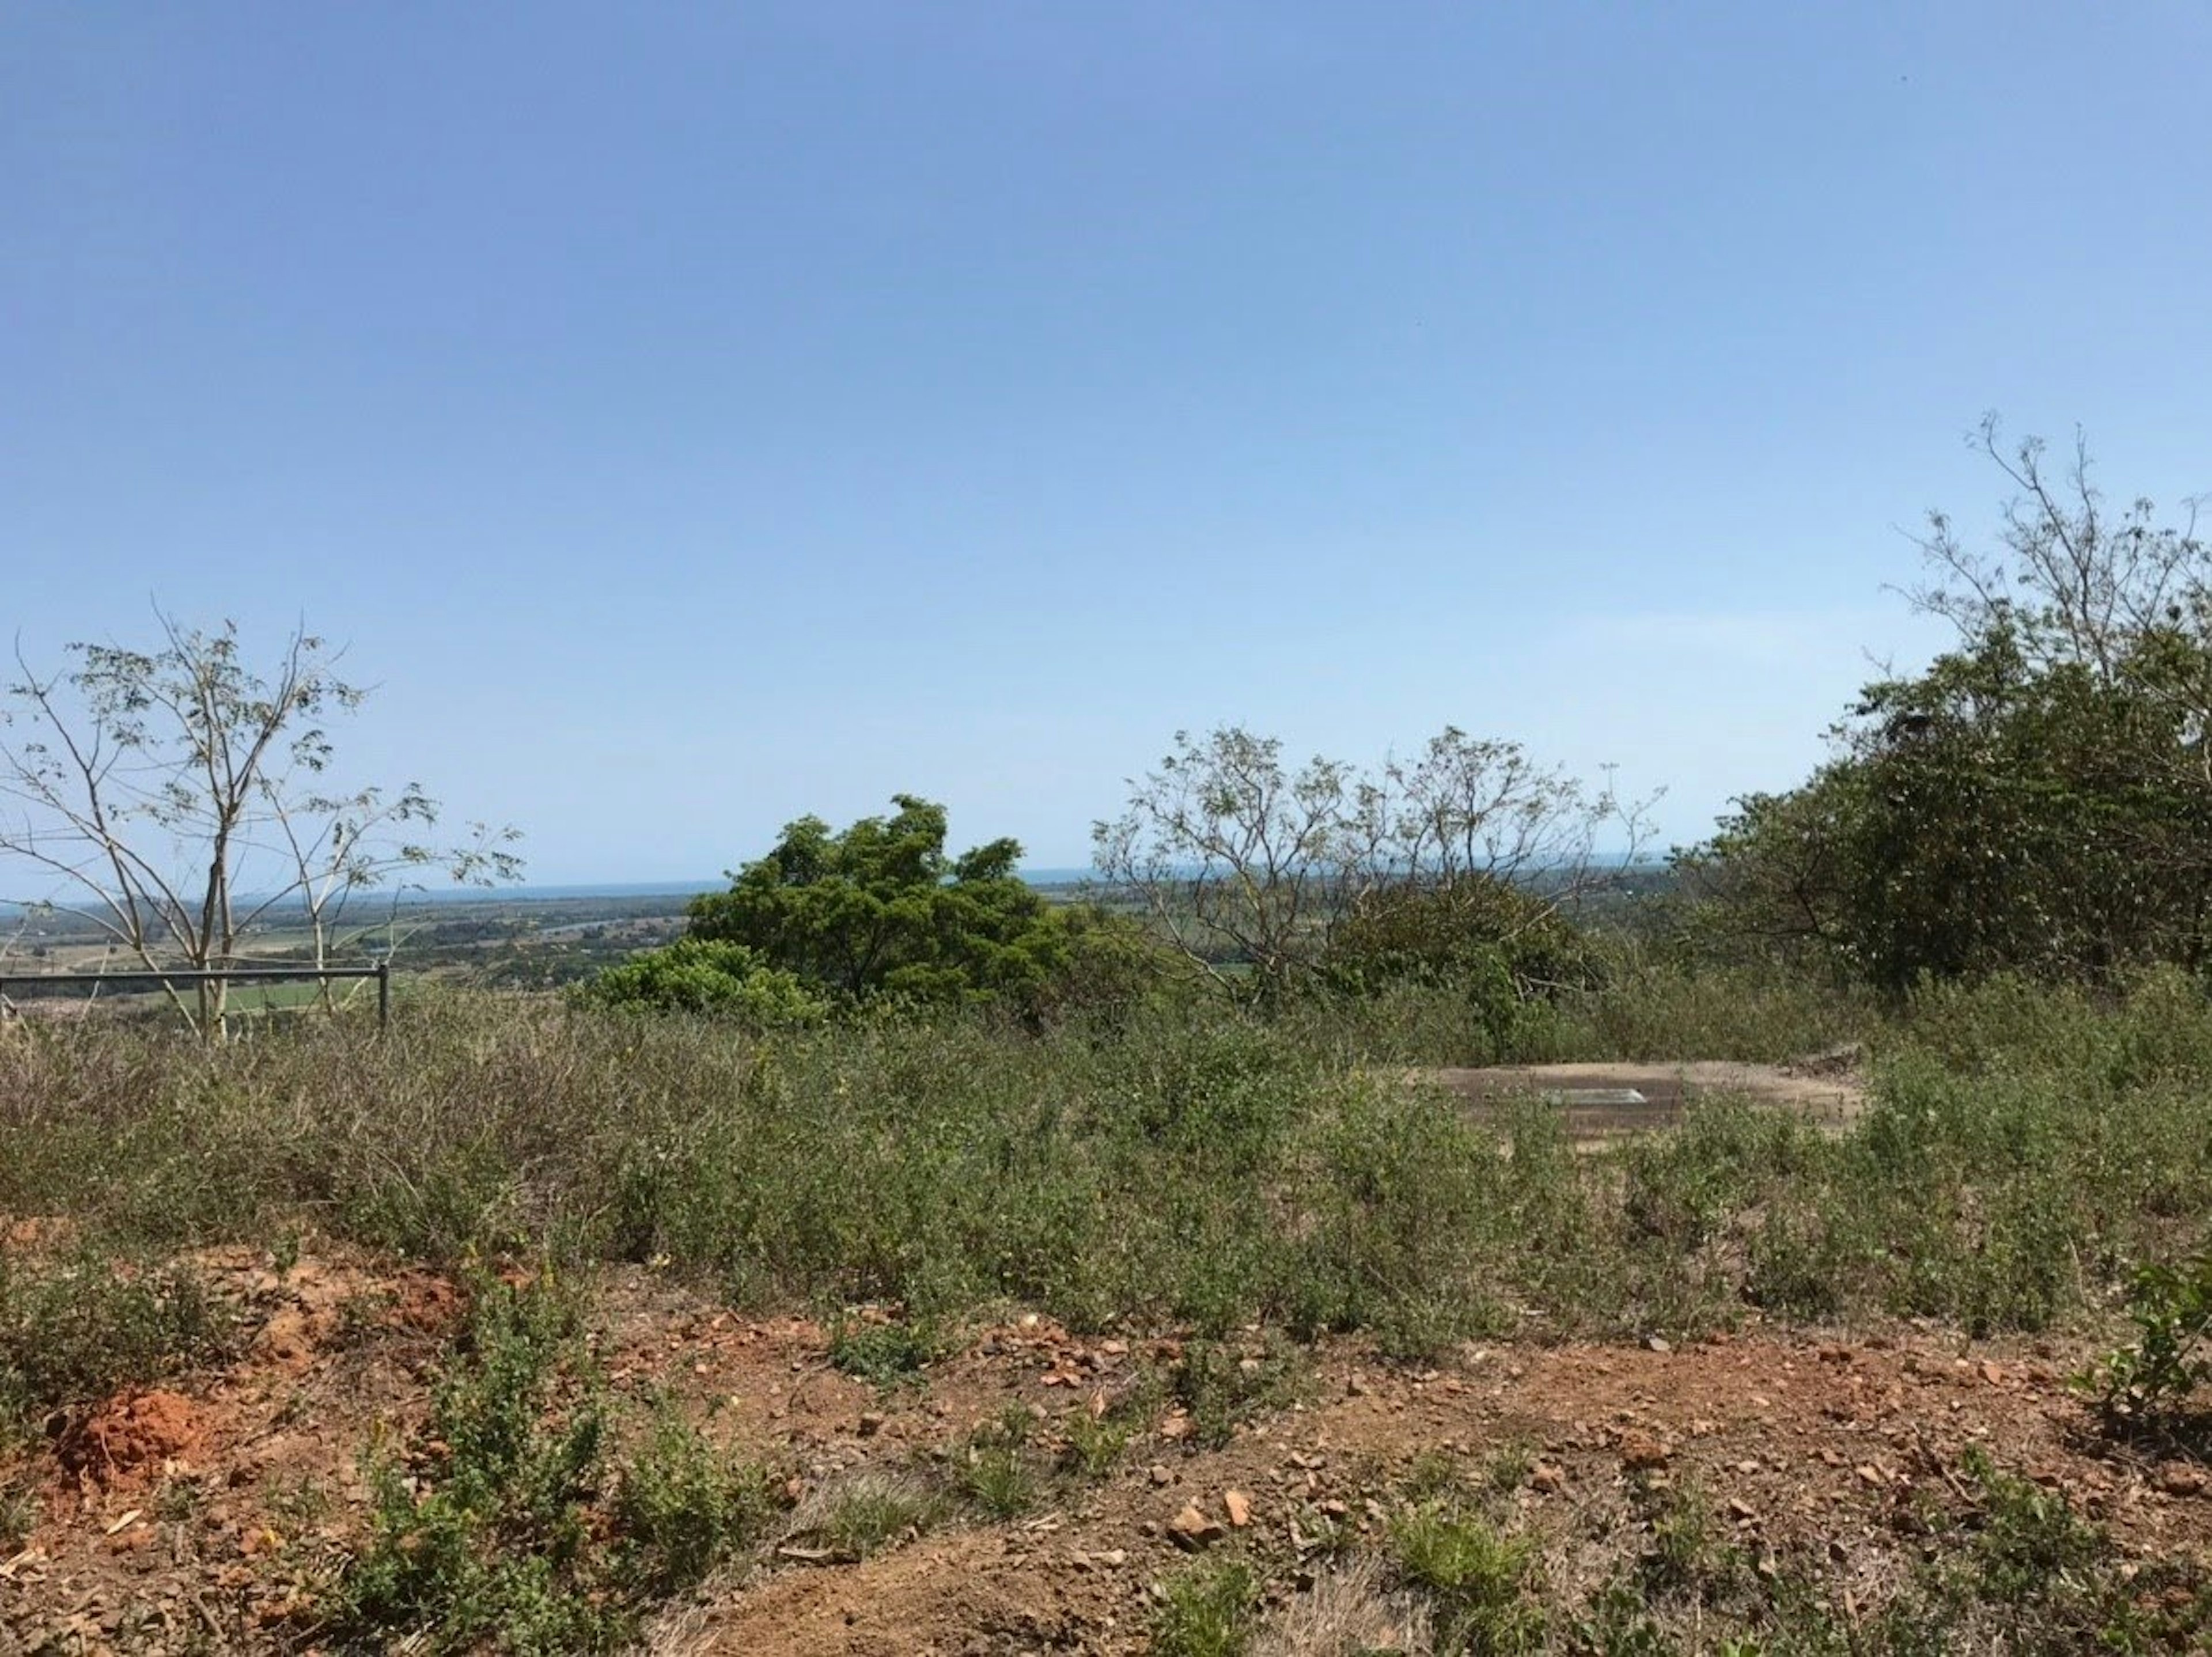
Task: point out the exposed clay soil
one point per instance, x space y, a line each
201 1515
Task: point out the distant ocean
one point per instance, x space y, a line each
1040 877
616 889
669 888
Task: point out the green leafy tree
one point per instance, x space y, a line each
882 909
2037 800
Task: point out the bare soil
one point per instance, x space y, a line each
205 1513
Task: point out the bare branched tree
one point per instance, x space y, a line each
2071 579
177 800
2074 582
1239 859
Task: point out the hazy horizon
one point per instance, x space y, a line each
694 420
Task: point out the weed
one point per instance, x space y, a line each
1206 1610
682 1507
1509 1466
299 1503
1689 1554
1349 1612
84 1327
362 1317
495 1534
491 1535
1435 1477
1169 1166
885 1353
181 1500
20 1509
863 1515
2149 1383
994 1472
997 1479
1222 1384
1479 1581
1093 1445
1615 1621
2027 1542
2021 1560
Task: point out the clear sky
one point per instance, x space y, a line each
696 415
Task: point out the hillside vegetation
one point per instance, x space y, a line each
900 1259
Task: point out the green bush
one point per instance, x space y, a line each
696 974
515 1525
75 1330
2154 1378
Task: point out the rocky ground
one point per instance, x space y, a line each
209 1514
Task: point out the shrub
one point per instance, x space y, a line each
1207 1610
697 974
2152 1378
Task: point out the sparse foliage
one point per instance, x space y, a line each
2039 799
182 800
1248 863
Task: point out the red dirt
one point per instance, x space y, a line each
210 1511
131 1436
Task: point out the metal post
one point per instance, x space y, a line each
383 996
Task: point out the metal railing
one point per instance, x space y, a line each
149 978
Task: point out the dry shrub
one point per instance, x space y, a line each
1348 1611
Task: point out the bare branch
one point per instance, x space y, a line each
141 773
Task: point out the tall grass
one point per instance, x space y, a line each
1176 1167
1646 1009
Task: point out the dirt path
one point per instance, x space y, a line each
1804 1449
209 1510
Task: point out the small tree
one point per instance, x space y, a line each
883 909
2039 798
1243 862
179 801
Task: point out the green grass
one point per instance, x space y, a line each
2027 1150
866 1513
1206 1610
1245 1183
1479 1581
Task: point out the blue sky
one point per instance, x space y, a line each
693 416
